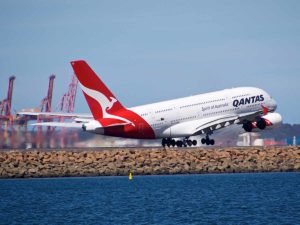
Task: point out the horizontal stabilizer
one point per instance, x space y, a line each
58 124
56 114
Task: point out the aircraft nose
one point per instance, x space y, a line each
271 104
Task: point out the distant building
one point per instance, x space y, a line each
254 139
250 139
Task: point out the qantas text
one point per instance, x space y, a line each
250 100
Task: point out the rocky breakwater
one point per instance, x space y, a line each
61 163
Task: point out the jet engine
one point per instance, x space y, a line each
266 121
272 119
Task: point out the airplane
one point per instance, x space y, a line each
174 121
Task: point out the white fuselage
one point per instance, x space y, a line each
184 111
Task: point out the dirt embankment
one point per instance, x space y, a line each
60 163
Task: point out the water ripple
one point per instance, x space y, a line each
271 198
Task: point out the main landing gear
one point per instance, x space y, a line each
207 141
179 143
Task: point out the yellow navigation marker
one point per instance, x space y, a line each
130 176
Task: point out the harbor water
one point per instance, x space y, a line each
259 198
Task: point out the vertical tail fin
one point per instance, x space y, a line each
99 98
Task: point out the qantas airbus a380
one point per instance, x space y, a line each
173 121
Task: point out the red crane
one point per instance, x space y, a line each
5 114
5 105
67 101
46 102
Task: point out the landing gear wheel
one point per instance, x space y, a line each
168 142
163 142
194 142
189 143
173 142
261 124
247 126
179 143
207 141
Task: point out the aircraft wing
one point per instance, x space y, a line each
214 123
207 125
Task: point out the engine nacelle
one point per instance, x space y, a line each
272 119
93 126
266 121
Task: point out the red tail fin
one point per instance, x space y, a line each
99 98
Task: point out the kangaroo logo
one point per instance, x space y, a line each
105 103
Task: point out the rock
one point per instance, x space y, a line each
147 161
297 166
32 170
2 171
88 161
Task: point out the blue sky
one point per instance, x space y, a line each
148 51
